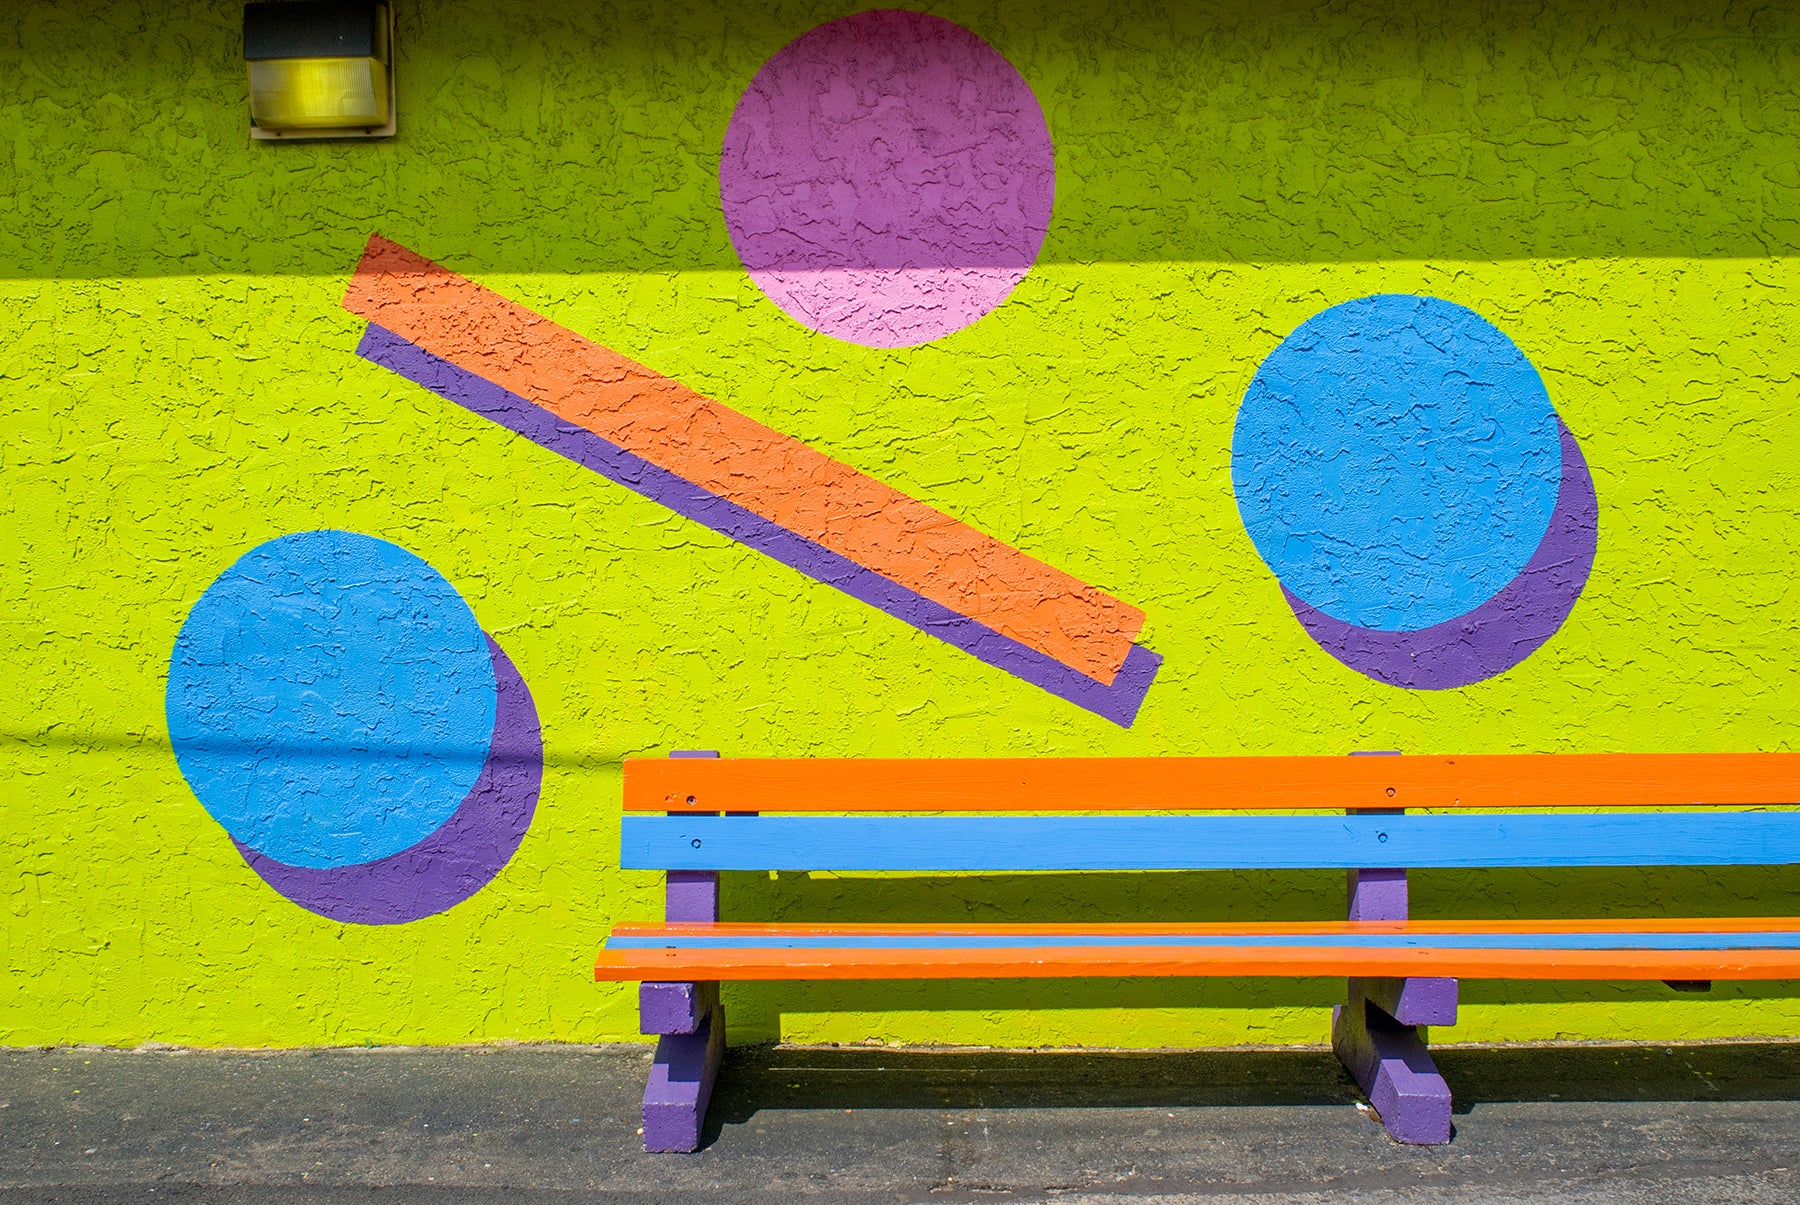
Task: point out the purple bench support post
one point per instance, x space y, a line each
690 1020
681 1084
1390 1062
1375 1033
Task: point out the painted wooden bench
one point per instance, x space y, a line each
695 816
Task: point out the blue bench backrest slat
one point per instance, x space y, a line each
1007 843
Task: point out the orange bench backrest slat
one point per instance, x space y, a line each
1534 780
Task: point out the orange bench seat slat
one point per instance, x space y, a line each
1251 929
1126 962
815 958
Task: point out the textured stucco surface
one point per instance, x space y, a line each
1619 193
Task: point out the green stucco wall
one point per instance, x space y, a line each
1618 191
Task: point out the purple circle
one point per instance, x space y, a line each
456 860
1502 631
887 178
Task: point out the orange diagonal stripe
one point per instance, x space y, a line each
741 460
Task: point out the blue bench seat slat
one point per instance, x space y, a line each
1368 941
1235 842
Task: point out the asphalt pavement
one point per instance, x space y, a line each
531 1125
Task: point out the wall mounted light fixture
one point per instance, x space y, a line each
320 69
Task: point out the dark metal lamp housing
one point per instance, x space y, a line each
320 69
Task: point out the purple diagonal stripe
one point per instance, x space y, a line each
1118 702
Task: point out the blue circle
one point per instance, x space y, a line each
1396 461
331 699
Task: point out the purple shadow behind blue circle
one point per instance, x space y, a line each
462 855
1502 631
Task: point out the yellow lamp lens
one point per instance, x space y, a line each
318 94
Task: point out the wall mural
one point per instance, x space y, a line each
1161 401
886 179
373 754
1402 472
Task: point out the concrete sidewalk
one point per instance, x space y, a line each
524 1125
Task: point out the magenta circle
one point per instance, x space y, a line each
887 178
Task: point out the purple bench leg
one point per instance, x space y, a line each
681 1083
692 1025
690 1020
1395 1070
1375 1034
